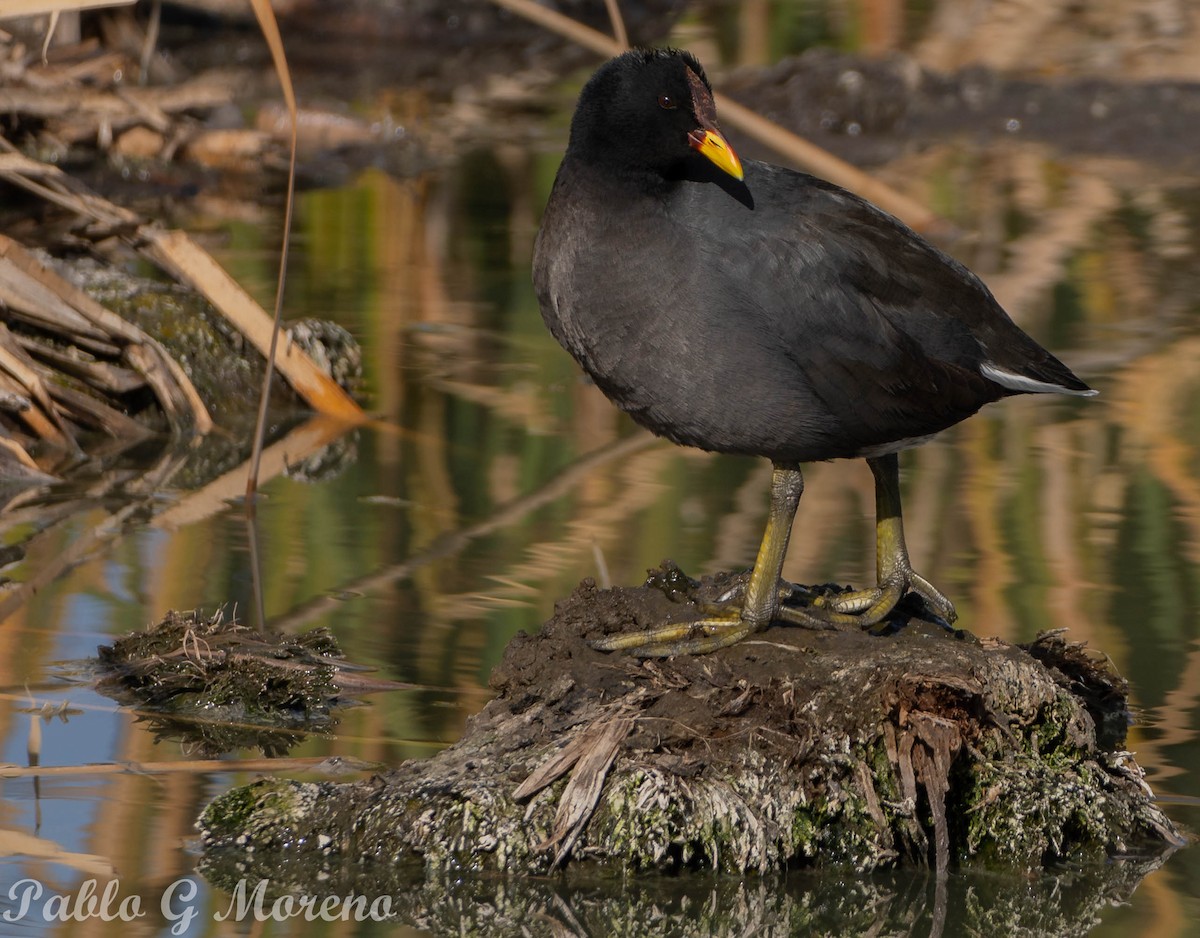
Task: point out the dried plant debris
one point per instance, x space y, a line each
69 366
220 685
794 748
209 347
163 128
88 95
156 360
180 257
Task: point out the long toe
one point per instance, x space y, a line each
688 638
869 607
934 598
723 623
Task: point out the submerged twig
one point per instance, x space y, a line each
186 767
270 31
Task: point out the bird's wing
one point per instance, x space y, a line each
873 324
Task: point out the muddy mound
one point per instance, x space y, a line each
797 747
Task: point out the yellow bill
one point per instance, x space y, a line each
711 144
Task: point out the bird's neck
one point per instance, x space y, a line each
628 180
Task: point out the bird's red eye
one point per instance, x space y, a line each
666 101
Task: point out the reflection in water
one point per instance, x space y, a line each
1061 902
495 479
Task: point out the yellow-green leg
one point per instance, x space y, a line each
759 605
894 574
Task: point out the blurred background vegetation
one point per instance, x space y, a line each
1058 140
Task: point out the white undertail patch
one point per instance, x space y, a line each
1015 382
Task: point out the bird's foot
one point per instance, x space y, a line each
724 623
870 607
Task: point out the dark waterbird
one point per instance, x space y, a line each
745 308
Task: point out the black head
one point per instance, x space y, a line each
647 113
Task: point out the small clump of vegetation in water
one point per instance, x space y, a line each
221 686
